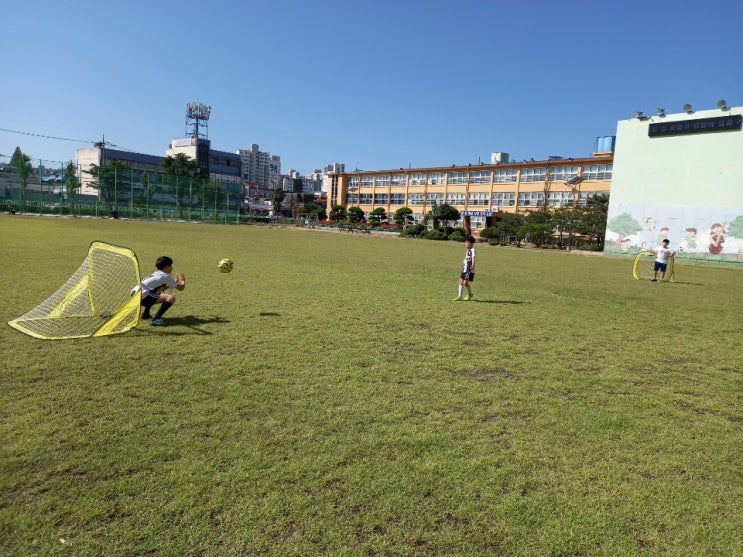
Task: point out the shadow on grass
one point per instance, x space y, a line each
269 314
190 321
513 302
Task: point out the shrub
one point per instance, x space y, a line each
457 236
413 231
435 234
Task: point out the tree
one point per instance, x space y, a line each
313 208
106 179
445 213
278 197
592 217
337 213
508 226
401 215
22 165
179 164
71 183
355 214
377 216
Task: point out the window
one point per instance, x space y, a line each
365 199
477 222
479 198
437 198
597 171
397 199
480 176
352 199
380 199
534 174
504 199
563 173
382 181
353 182
398 179
531 199
455 198
457 177
366 181
415 199
559 198
504 176
417 179
436 178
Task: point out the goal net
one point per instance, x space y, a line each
94 302
642 267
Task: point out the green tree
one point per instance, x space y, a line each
337 213
509 225
107 179
536 232
401 215
278 197
70 181
313 208
179 164
22 166
355 214
445 213
377 216
592 217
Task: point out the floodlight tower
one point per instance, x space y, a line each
197 116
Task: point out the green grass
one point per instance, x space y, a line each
328 398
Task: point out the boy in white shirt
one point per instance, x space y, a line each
663 254
468 270
154 290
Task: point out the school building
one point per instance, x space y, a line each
479 192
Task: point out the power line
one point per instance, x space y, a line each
47 136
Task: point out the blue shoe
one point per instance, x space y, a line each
157 323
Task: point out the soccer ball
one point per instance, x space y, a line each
225 265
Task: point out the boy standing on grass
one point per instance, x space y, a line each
663 254
468 272
154 289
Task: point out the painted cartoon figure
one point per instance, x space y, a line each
716 238
648 233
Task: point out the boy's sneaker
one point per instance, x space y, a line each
469 297
458 299
157 323
146 316
653 280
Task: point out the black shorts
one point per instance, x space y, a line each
469 276
149 301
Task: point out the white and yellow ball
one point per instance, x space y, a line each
225 265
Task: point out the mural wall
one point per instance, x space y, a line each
680 177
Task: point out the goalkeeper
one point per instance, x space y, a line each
155 290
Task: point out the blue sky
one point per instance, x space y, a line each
372 84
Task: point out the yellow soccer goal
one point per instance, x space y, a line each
95 301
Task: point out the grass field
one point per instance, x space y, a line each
328 398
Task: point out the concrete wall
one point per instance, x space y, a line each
686 187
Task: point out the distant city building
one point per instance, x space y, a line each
260 168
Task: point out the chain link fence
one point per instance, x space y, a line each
53 188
